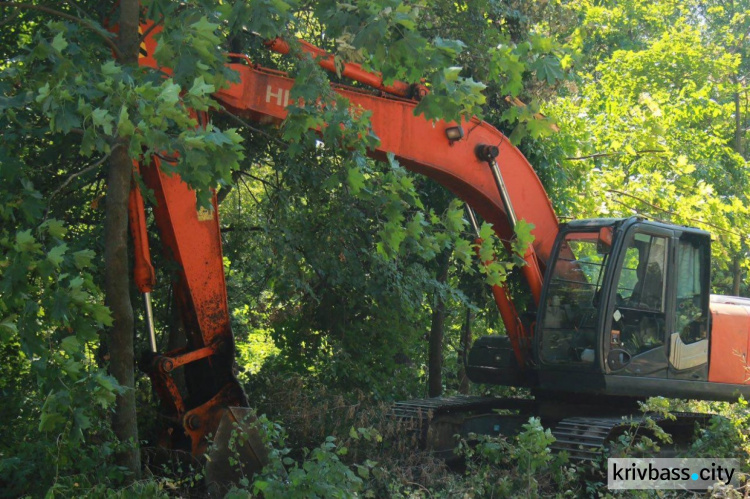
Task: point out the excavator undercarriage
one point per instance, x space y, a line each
584 430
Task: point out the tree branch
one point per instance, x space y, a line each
78 8
169 159
603 154
47 10
10 18
636 212
249 191
615 191
73 176
254 129
266 182
151 28
252 228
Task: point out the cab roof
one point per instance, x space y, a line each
595 223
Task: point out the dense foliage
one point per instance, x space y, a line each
341 270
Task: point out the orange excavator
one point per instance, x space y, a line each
620 311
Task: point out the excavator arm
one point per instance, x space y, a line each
464 164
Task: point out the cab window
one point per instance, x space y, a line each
642 279
691 320
639 314
571 311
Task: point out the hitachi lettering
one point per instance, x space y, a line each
281 96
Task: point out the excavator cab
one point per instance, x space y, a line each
625 306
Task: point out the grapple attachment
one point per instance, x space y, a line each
237 441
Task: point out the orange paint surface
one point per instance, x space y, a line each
729 343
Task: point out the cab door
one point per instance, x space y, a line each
688 339
638 315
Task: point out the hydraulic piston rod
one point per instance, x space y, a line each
531 271
150 321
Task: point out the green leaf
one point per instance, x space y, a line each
454 219
102 315
406 21
102 118
170 93
356 179
60 307
111 68
463 251
523 238
486 251
49 421
548 69
204 27
106 382
59 43
65 119
25 242
105 396
450 47
415 226
82 258
125 127
71 345
363 471
8 328
452 73
55 255
82 421
43 92
55 228
201 88
486 231
72 367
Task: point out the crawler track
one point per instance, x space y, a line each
584 438
432 407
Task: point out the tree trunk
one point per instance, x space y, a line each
435 380
117 273
739 149
465 344
736 276
738 125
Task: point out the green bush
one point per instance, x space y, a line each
523 466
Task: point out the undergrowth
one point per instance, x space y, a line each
332 445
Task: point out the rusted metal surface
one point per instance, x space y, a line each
202 421
172 401
168 364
